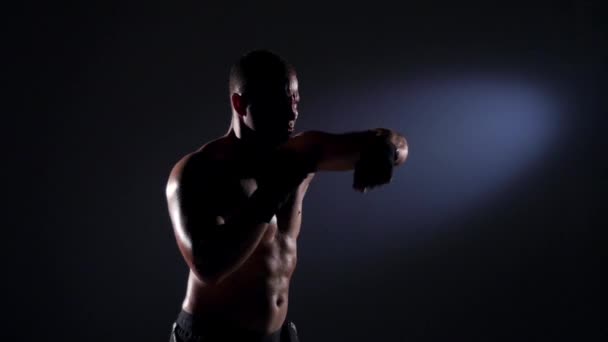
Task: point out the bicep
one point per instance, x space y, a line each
193 206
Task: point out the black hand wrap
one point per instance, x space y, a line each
375 165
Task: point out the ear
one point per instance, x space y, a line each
238 102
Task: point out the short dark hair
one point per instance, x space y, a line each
256 68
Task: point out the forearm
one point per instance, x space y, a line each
238 235
341 152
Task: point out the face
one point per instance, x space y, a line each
272 108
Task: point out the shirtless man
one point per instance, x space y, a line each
236 203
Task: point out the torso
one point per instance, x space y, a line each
256 295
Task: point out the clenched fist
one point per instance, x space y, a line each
375 165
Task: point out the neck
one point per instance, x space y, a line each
248 140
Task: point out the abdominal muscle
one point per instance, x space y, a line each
255 296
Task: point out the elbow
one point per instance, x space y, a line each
205 274
206 270
207 279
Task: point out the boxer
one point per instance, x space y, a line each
236 203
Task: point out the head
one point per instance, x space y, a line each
264 97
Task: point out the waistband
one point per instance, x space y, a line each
205 328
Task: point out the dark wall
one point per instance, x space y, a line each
114 94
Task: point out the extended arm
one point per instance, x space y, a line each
342 152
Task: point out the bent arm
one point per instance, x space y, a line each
341 152
215 246
221 249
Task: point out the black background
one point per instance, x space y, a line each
112 94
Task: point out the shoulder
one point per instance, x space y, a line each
200 166
308 144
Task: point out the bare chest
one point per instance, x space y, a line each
287 220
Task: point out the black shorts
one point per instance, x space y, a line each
187 328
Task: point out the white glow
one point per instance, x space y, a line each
471 140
